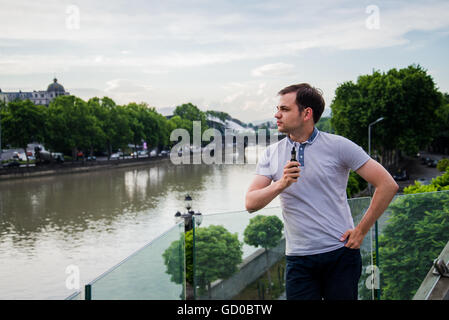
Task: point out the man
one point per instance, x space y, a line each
322 245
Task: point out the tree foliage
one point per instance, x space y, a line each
189 113
406 98
443 164
22 123
263 231
355 184
414 236
325 125
217 254
70 124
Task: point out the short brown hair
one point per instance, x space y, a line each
307 96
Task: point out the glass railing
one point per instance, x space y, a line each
412 232
75 296
227 255
368 282
152 273
226 259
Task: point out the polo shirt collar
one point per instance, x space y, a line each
311 139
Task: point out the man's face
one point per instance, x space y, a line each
288 116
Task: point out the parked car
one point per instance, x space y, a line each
11 164
115 156
402 176
153 153
91 158
163 153
432 163
19 156
58 156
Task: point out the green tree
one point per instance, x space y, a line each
324 124
23 122
190 113
443 164
100 109
403 97
136 118
264 231
441 142
120 128
355 184
217 254
71 125
174 260
414 236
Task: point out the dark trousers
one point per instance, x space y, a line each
331 275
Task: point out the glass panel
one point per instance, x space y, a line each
75 296
154 272
221 250
413 232
222 271
367 282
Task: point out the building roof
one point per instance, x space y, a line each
55 86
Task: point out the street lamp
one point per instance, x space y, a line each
189 214
370 192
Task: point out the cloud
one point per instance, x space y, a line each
176 37
126 86
202 49
274 69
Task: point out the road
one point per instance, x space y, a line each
416 170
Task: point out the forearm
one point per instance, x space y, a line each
379 203
258 199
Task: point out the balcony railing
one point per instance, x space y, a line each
213 261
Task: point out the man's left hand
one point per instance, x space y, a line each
355 238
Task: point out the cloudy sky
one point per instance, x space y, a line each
232 56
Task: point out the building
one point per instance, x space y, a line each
37 97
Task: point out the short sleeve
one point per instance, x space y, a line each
263 165
352 155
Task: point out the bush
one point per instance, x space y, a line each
443 164
439 183
417 231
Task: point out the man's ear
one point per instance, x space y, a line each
309 114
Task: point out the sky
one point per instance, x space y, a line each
231 56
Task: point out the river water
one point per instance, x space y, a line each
94 220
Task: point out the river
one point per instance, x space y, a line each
94 220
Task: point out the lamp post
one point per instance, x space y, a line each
189 225
188 221
376 236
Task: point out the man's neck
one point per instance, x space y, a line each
301 136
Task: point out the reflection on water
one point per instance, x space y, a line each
94 220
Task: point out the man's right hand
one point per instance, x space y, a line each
291 174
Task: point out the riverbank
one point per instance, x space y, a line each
74 167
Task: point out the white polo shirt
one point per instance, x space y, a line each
315 208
